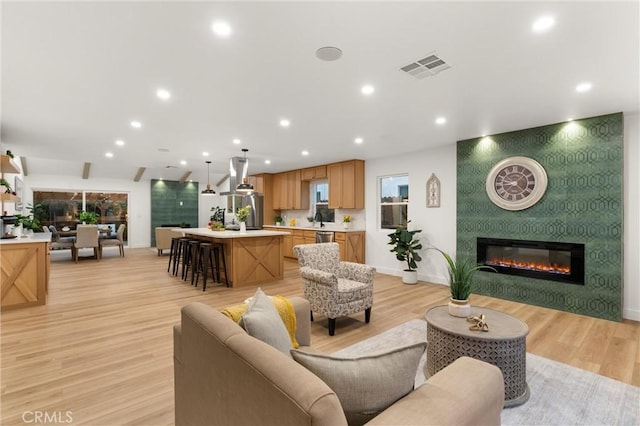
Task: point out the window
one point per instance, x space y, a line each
320 201
61 209
394 201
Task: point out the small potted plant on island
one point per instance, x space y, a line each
278 220
346 221
460 280
406 246
242 215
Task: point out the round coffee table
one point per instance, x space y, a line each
504 345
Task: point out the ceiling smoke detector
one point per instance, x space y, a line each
430 65
329 53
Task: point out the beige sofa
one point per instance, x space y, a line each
223 376
163 238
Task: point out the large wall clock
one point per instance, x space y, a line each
516 183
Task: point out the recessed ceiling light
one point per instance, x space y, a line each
543 24
329 53
183 162
120 142
267 161
358 140
109 154
441 120
237 141
221 29
583 87
285 123
367 89
136 124
205 154
305 153
163 94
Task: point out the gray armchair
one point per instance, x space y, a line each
334 288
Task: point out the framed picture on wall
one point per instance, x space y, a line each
19 188
433 191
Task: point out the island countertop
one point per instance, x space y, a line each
206 232
37 237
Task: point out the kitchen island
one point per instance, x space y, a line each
252 257
24 264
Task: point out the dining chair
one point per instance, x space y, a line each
87 237
114 242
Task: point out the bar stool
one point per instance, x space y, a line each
190 259
205 263
179 256
173 250
218 251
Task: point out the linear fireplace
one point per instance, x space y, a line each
563 262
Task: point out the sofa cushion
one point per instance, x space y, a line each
369 384
262 321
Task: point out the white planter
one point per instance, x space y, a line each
409 277
459 308
243 227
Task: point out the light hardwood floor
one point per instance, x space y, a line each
102 348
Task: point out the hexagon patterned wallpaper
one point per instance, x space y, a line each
583 204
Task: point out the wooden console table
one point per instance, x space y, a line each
504 346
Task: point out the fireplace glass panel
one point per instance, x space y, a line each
551 261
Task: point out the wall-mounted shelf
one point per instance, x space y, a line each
7 165
9 198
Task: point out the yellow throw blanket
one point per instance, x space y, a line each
284 308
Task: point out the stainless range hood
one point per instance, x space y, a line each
238 176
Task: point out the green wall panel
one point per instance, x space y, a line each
173 202
583 204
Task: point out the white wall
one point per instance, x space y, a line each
439 224
631 307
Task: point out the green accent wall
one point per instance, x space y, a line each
173 202
583 204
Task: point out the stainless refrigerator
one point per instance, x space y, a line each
255 200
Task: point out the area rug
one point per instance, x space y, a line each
560 394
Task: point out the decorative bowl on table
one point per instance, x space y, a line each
66 229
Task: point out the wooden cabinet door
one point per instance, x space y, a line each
280 191
346 185
334 173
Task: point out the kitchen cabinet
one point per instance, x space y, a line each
290 192
25 264
309 237
287 245
346 185
351 246
317 172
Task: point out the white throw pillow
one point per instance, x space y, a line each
366 386
262 321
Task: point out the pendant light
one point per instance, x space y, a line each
245 186
209 190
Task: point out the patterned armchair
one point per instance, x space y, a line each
334 288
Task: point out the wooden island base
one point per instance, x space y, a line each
252 258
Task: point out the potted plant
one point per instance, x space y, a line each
346 221
242 215
90 218
28 222
406 246
310 219
278 220
460 280
6 184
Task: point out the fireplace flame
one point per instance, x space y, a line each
531 266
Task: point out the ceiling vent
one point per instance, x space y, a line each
430 65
